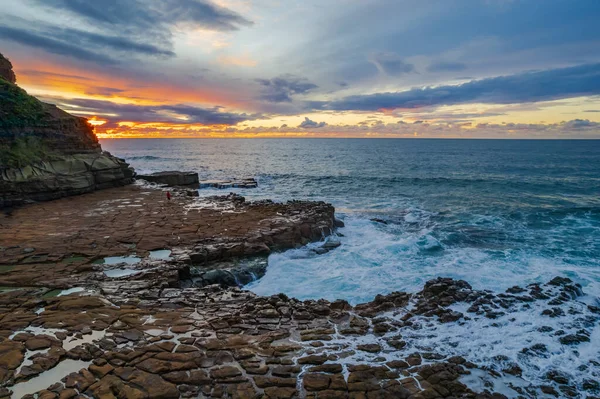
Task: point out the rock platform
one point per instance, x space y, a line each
67 330
172 179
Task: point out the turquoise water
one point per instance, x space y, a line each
495 213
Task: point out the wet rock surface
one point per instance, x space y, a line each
210 342
233 183
170 330
142 338
46 243
172 179
230 343
62 177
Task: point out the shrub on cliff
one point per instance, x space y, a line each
23 151
17 108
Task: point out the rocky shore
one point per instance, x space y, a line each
106 295
127 292
46 153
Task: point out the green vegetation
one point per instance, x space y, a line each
17 108
23 151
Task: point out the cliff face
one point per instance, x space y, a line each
46 153
6 70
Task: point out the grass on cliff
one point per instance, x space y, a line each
17 108
22 152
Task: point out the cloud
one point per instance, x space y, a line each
52 75
548 85
282 88
128 28
376 129
581 124
103 91
151 15
178 113
310 124
26 37
446 66
391 64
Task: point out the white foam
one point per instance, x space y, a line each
376 259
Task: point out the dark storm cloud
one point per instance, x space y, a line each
26 37
179 113
525 87
310 124
446 66
282 88
79 44
120 28
108 42
151 15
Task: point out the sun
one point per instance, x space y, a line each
94 121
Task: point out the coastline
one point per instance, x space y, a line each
161 329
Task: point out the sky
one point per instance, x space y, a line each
313 68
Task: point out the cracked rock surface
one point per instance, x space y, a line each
67 330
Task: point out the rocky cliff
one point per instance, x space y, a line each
46 153
6 70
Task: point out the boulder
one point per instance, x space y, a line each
64 176
172 178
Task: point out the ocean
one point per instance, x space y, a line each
496 213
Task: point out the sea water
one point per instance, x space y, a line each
494 213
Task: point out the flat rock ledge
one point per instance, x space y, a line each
68 330
145 339
64 176
172 178
135 219
225 184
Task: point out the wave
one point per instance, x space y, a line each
148 158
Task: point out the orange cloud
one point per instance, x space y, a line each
94 121
47 79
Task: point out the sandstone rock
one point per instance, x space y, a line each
68 158
66 176
172 178
223 184
6 70
194 377
316 382
11 354
225 372
154 385
38 342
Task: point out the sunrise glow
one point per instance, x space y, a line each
256 71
